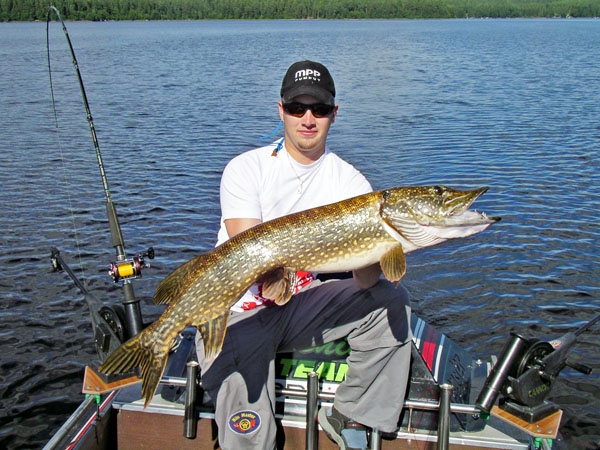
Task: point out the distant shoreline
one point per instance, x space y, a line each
102 10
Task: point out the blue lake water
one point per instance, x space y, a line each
510 104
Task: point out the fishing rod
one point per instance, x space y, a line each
123 269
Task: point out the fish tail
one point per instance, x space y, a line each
134 353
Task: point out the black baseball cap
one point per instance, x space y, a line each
308 78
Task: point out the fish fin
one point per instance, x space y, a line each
177 282
132 354
393 264
213 334
279 284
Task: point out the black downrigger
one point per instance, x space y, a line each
525 373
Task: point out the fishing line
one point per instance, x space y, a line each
84 96
115 229
123 269
59 142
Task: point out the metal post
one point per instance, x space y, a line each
190 418
376 439
312 393
444 417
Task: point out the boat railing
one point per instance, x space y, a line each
312 395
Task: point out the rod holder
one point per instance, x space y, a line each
376 439
511 354
190 417
444 417
312 395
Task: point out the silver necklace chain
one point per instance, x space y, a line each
301 180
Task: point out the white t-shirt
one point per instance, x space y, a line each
259 185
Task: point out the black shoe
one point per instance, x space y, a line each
345 432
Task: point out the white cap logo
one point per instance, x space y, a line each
307 74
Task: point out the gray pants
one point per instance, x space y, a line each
376 322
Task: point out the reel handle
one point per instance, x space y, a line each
579 367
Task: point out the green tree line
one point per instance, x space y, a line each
30 10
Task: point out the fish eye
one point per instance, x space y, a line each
438 190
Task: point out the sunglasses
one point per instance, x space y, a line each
319 110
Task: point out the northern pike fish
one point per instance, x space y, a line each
351 234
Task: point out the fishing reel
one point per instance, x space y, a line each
525 373
130 268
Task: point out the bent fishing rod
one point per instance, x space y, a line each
123 269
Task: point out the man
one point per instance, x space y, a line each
293 174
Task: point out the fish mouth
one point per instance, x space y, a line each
461 221
469 218
460 201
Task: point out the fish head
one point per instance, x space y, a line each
422 216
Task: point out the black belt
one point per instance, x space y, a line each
334 276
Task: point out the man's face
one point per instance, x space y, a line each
305 136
